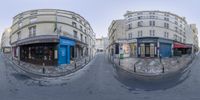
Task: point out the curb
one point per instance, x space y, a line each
150 77
47 75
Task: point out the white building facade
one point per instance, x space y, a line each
154 34
51 37
101 44
5 41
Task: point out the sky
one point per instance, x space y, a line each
100 13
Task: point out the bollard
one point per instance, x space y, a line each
134 68
163 69
119 61
85 61
43 70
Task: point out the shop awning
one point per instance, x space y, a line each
38 39
179 45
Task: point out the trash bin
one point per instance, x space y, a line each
121 56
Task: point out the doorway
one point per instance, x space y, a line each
147 49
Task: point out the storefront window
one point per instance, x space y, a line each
152 50
142 46
39 53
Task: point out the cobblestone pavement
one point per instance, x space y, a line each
154 65
50 70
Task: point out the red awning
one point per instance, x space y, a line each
179 45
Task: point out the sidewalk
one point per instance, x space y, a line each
153 66
49 71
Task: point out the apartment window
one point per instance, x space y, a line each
33 20
21 17
129 19
18 35
74 24
85 39
152 32
19 24
81 21
34 12
140 17
32 31
166 14
75 34
73 17
81 37
81 28
152 23
85 30
166 35
152 17
175 37
166 25
130 35
167 19
129 16
152 13
140 23
183 40
129 26
139 33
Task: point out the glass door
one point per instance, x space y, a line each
147 50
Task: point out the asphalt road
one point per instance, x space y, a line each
99 80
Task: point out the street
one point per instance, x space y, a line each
98 80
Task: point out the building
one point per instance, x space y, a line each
151 34
116 31
5 41
101 44
51 37
195 37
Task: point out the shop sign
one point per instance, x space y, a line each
64 41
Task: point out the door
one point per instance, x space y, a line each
147 50
62 55
165 49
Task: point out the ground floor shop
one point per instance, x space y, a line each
147 47
40 53
50 53
181 49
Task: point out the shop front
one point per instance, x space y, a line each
39 53
165 47
64 49
133 48
147 47
125 49
181 49
38 50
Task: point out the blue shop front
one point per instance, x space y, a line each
64 50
